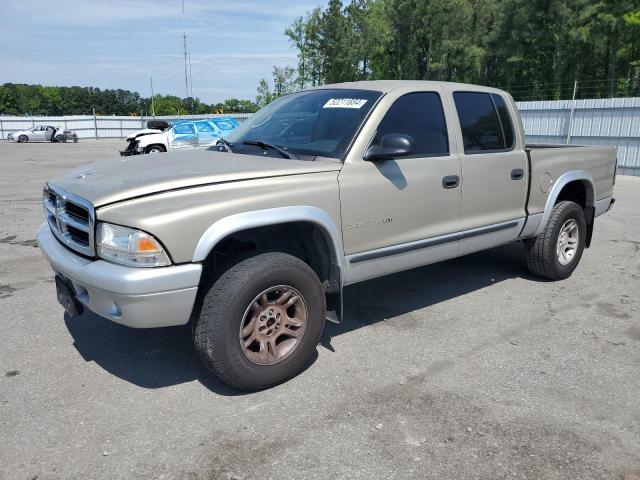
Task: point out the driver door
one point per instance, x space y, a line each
38 134
400 213
182 136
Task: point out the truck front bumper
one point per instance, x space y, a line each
128 153
135 297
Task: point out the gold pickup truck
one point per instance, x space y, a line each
253 241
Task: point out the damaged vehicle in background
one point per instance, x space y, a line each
161 136
43 133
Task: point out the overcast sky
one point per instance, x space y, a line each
121 43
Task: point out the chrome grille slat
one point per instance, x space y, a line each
70 218
73 221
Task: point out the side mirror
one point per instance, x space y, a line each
391 146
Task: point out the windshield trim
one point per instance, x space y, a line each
347 150
357 131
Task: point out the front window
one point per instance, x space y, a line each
313 123
419 115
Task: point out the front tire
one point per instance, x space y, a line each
260 321
556 252
23 139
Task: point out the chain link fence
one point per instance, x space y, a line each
96 127
612 121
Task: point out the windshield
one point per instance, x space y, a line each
315 123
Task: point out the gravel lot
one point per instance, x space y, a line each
467 369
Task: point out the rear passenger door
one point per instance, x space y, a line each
494 166
207 134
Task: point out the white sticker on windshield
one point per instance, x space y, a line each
344 103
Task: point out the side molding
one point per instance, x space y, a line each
560 183
273 216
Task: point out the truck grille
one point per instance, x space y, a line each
70 218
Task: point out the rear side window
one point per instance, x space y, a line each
480 123
204 127
420 115
505 120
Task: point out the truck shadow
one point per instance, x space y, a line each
157 358
376 300
149 358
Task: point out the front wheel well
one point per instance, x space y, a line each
148 148
304 240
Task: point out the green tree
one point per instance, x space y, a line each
263 94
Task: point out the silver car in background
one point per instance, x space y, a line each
43 133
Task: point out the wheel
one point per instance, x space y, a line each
556 252
155 149
260 321
23 139
61 139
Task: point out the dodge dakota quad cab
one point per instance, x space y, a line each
253 243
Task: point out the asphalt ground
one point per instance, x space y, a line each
469 369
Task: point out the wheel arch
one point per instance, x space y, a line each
155 144
567 185
284 217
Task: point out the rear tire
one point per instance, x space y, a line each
271 300
23 139
556 252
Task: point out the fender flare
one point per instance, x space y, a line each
560 183
274 216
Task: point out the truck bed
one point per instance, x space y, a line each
549 162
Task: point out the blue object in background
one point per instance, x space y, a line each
200 133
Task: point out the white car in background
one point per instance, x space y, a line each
42 133
184 134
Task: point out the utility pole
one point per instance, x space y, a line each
190 76
573 110
184 43
153 107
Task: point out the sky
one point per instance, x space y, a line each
122 43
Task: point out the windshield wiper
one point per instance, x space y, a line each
265 145
226 144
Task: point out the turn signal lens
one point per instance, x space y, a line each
146 244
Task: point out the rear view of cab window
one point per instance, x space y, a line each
481 129
505 120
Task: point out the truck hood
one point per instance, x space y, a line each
109 181
140 133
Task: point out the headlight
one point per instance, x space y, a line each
128 246
137 147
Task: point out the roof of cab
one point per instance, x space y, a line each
387 86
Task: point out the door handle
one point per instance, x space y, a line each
517 174
451 181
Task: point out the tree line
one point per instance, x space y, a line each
536 49
19 99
